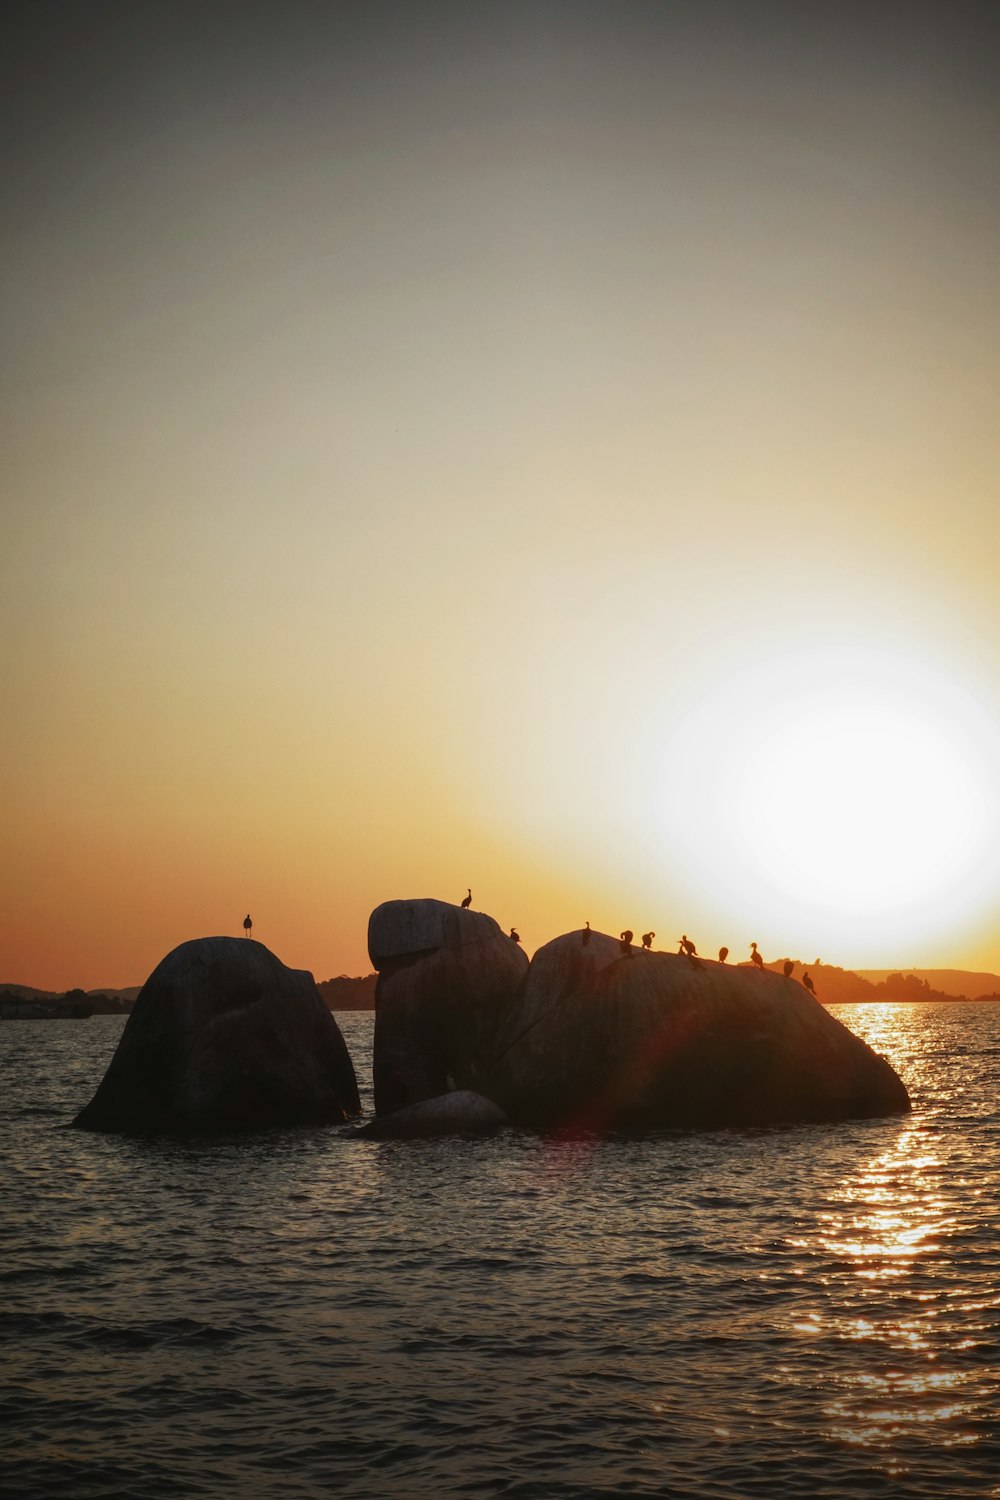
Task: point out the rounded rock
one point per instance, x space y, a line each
224 1037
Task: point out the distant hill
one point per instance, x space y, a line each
955 982
833 986
27 992
344 993
21 1000
836 986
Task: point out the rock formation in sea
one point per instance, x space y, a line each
224 1037
460 1113
599 1038
447 980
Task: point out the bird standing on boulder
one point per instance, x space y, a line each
690 952
247 924
468 899
807 981
647 940
723 955
755 957
515 935
585 935
626 942
787 967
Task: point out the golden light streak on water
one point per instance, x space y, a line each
887 1221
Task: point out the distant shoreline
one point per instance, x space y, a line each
351 994
917 1000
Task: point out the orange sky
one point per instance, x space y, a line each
549 448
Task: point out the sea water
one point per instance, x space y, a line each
809 1311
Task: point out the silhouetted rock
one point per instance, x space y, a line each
459 1113
224 1036
596 1041
447 978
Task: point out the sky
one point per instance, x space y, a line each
546 448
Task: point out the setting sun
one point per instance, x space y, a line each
844 790
566 467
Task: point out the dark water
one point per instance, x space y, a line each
811 1311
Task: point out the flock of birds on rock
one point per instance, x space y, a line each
684 945
690 952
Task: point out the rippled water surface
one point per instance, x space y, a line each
810 1311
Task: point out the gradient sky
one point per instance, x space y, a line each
544 447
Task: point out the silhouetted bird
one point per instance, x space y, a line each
627 935
585 935
626 942
787 967
755 956
807 981
647 939
468 899
687 946
247 924
515 935
723 955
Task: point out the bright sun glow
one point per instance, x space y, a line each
838 792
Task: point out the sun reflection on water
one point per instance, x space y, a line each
878 1253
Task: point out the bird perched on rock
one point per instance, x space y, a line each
755 957
468 899
647 940
807 981
723 955
686 946
585 935
247 924
515 935
691 954
787 967
626 942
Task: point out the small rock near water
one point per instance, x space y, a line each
462 1112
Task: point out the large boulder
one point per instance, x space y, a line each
447 979
460 1113
601 1037
224 1037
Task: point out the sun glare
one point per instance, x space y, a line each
868 805
839 789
